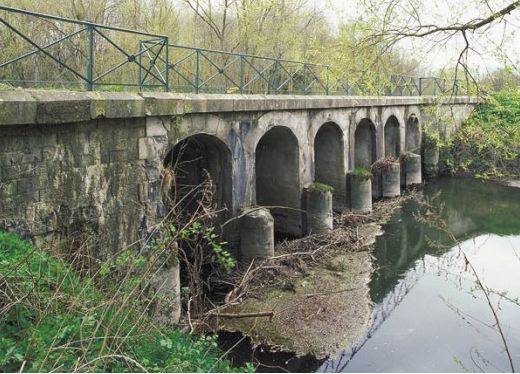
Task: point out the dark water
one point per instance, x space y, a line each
429 314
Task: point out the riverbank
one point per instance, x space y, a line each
54 319
315 297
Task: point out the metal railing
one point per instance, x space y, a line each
72 53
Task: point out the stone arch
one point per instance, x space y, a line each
413 135
277 178
365 152
329 159
196 159
392 137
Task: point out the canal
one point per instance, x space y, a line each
429 314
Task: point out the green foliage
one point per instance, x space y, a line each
431 140
218 254
362 173
321 187
488 143
51 320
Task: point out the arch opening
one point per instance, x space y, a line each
413 135
329 160
365 144
202 170
392 137
277 178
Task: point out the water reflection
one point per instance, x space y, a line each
427 314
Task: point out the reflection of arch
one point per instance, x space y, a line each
365 144
277 178
329 163
193 160
413 135
392 137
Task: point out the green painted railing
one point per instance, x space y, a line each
50 51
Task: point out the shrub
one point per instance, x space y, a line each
488 143
53 320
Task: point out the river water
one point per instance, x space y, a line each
429 313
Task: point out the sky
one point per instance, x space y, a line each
493 46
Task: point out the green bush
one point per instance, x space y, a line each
53 320
488 143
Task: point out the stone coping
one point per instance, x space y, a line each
19 107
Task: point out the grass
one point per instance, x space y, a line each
362 173
51 319
318 186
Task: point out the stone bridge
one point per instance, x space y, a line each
78 165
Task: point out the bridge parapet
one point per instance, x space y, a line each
52 107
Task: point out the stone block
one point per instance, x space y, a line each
123 105
17 108
7 188
61 107
208 103
157 126
162 103
151 147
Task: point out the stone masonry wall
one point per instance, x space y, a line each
91 180
86 167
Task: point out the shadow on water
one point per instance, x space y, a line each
264 358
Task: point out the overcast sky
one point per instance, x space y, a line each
493 46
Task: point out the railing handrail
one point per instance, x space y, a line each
78 22
247 55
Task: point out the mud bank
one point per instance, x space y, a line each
325 307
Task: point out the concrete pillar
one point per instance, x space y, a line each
318 209
377 185
166 285
256 234
360 194
412 169
431 162
391 180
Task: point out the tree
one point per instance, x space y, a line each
396 21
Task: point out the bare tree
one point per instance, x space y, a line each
399 20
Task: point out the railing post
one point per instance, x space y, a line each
167 63
197 70
90 58
276 73
139 69
305 79
241 74
327 77
420 86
